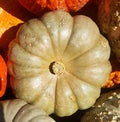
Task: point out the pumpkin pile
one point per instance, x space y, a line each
55 62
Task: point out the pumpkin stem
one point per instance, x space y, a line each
56 68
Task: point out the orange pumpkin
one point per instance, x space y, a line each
3 76
114 80
40 6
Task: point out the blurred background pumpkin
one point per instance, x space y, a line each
3 76
38 7
106 108
109 23
108 20
14 15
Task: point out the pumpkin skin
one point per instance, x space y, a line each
39 7
3 76
59 63
17 110
109 23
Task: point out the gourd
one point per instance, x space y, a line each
59 63
17 110
109 23
39 7
106 108
3 76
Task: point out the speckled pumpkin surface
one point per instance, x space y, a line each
106 108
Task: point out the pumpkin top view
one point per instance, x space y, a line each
59 63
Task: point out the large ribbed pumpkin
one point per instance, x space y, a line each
59 63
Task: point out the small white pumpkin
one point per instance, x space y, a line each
17 110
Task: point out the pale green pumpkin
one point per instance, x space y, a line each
59 63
